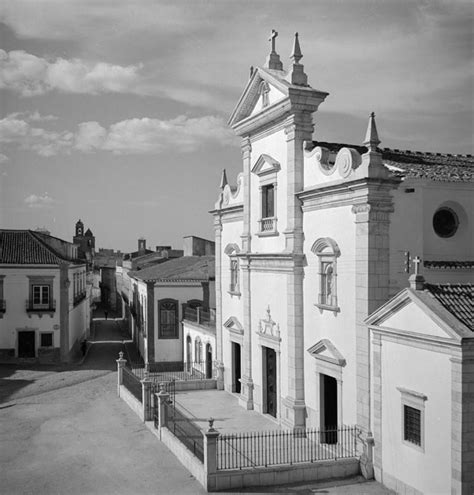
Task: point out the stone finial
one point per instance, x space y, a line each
417 281
371 136
223 179
120 355
251 70
296 74
296 54
273 60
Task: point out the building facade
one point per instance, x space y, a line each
44 295
312 239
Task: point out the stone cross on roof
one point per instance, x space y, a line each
416 261
272 38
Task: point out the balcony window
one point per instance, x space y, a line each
168 319
327 252
41 296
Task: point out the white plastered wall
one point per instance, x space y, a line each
16 293
337 224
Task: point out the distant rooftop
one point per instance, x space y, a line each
196 268
26 247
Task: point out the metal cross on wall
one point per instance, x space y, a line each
416 261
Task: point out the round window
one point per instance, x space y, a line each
445 222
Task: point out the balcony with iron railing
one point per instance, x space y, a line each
267 226
200 316
79 297
40 309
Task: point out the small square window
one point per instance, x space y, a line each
413 418
46 340
412 425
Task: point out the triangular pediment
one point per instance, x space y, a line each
266 165
234 325
416 312
325 350
250 102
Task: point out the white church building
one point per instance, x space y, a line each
312 240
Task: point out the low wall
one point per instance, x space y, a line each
133 403
182 453
283 475
182 385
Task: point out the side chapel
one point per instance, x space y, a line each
314 238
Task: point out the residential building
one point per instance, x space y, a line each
315 237
44 297
162 296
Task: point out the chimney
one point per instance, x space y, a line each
141 246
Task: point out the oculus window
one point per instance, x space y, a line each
445 222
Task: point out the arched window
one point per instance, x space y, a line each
197 350
327 251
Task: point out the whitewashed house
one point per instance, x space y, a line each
44 297
312 239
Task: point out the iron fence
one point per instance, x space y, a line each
195 370
185 430
269 448
132 383
200 316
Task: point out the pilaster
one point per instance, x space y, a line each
150 330
246 392
376 391
246 147
372 285
64 284
218 282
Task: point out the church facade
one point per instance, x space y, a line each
312 239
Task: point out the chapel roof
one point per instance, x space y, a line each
25 247
457 299
443 167
197 268
448 264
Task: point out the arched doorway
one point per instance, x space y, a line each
208 361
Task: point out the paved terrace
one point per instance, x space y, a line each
228 415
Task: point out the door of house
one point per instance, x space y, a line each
208 361
26 344
270 380
328 409
189 360
236 369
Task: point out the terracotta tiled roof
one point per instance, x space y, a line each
448 264
23 247
184 268
419 164
458 299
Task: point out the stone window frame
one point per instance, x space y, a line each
415 400
232 250
175 335
327 251
267 168
41 280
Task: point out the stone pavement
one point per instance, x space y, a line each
64 430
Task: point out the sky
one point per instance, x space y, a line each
116 111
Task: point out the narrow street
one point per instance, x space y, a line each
64 430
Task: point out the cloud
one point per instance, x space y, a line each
30 75
3 158
19 132
131 136
33 116
43 201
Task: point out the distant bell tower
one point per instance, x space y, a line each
141 246
79 228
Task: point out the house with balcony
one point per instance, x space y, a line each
165 299
311 239
44 294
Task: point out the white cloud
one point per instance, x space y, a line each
132 136
30 75
3 158
42 201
